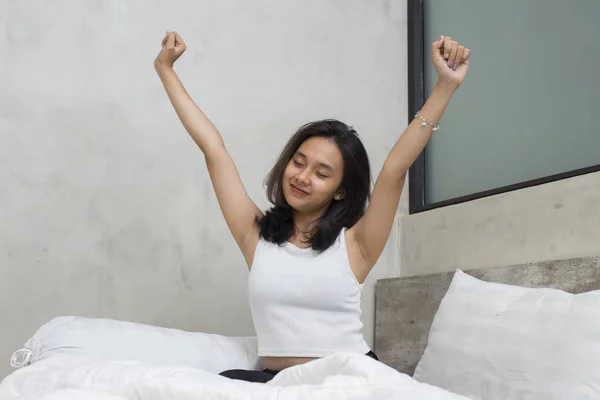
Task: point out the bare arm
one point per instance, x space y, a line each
236 205
372 232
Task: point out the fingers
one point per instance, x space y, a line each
436 50
459 57
453 52
178 40
447 47
437 45
170 40
466 55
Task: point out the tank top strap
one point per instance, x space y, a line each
342 240
258 250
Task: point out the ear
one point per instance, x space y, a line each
339 195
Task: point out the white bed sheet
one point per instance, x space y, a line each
338 377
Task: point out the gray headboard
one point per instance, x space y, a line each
405 307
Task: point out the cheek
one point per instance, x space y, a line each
326 188
288 173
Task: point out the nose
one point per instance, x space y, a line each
303 177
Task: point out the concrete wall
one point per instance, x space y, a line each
106 208
559 220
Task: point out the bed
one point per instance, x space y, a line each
405 307
101 359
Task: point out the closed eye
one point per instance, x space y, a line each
297 164
320 175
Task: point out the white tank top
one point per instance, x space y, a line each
305 303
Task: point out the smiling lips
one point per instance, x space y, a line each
298 192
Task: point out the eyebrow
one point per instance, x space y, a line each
322 165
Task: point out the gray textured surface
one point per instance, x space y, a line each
555 221
405 307
106 207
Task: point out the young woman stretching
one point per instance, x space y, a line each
311 252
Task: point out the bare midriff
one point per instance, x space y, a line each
281 363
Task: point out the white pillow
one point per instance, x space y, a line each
109 339
496 341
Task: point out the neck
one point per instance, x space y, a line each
304 223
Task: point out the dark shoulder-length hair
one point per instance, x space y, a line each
277 225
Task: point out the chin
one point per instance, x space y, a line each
295 203
302 205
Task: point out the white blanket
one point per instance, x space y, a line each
340 376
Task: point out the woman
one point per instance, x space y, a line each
311 252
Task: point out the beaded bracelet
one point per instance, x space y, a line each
426 121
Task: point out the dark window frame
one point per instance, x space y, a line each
416 99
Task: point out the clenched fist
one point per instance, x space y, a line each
173 47
450 59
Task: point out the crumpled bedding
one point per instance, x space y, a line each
337 377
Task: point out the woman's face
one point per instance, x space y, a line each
313 176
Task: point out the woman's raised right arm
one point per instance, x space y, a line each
236 205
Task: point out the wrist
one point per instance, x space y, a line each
161 66
445 87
